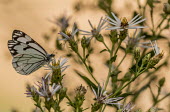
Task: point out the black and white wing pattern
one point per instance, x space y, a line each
28 55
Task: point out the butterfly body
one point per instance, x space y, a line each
28 55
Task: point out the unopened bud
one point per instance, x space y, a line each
146 59
96 106
113 36
73 45
123 34
155 60
99 38
85 42
166 8
136 53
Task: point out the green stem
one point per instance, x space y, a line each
40 108
110 63
106 46
69 99
88 69
110 66
131 80
104 108
84 53
121 61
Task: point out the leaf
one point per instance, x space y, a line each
161 81
87 56
113 59
87 80
103 50
124 95
91 69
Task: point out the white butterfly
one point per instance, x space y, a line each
28 55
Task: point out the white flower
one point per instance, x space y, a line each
155 47
31 91
134 41
124 24
57 66
102 97
69 35
94 31
45 89
128 107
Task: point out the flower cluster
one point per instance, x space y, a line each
51 91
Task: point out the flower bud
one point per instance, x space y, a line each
85 42
73 45
113 36
99 38
123 34
155 60
137 54
166 8
146 59
96 106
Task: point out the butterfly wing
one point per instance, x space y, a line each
28 55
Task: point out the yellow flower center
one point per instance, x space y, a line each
124 22
68 33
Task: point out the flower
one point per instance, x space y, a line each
80 91
128 107
45 89
124 24
69 35
155 47
102 97
94 31
133 41
31 91
62 22
55 67
158 55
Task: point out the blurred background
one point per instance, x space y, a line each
37 18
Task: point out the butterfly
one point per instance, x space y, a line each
28 55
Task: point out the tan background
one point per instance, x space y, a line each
31 16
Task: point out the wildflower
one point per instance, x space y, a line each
45 89
80 91
95 32
102 97
155 47
62 22
69 35
158 55
124 24
127 108
31 91
80 95
57 67
133 41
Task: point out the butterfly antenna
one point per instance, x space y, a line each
54 52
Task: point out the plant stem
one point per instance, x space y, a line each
106 46
88 69
131 80
110 63
121 61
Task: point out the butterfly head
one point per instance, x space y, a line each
50 56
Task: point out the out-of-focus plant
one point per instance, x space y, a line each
147 59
